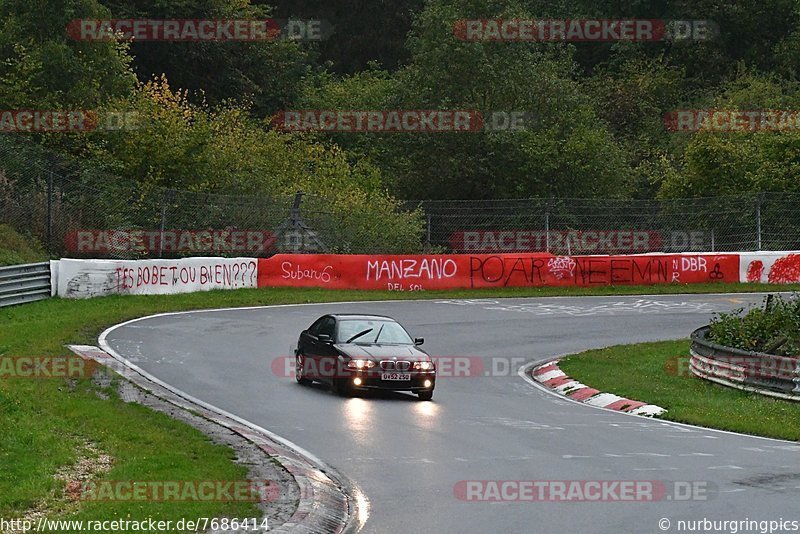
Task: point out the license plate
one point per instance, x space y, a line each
395 376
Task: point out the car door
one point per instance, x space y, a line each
308 347
325 355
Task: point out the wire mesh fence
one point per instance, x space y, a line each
756 221
71 212
75 211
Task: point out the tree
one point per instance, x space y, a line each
365 31
565 150
266 74
634 93
715 163
221 150
43 68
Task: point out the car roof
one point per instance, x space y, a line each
359 316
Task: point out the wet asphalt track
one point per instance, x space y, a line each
406 455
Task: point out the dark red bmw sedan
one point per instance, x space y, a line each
359 352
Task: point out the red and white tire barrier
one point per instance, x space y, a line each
551 376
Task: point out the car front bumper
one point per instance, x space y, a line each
372 380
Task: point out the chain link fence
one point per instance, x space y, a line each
72 211
756 221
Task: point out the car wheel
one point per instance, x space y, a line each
299 370
425 395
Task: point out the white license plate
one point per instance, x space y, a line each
395 376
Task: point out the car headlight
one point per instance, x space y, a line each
423 366
360 364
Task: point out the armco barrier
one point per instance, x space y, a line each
24 283
768 374
451 271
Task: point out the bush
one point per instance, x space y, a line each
199 150
16 249
774 329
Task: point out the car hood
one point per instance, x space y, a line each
383 352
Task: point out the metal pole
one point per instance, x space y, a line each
547 229
50 213
759 198
428 237
297 227
164 201
712 240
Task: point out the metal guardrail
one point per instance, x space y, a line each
24 283
768 374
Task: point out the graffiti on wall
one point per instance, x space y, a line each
410 273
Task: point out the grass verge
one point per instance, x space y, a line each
46 422
16 249
647 372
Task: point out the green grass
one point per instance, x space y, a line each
16 249
44 421
647 372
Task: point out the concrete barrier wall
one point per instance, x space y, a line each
770 267
451 271
73 278
93 278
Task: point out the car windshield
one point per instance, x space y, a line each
372 331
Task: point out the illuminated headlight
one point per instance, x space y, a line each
427 384
423 366
360 364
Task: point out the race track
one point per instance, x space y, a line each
407 456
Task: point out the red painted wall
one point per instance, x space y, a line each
450 271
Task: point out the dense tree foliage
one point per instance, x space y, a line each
41 67
264 73
594 110
365 31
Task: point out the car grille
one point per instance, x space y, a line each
391 365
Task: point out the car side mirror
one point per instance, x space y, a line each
325 338
419 340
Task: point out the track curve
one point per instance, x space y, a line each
407 455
